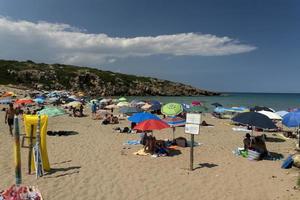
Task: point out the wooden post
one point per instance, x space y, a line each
30 149
192 153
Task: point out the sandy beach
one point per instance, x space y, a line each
94 164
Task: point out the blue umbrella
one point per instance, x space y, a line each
291 119
139 117
155 105
39 100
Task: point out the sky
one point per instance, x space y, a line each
219 45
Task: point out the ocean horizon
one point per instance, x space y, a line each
277 101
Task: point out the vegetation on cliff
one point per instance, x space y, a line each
89 80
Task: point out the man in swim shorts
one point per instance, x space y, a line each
9 117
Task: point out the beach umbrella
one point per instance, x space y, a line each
52 112
260 108
134 102
197 109
94 101
270 115
9 94
151 124
217 104
123 103
140 117
282 113
254 119
155 105
5 101
39 100
122 99
196 103
172 109
130 110
24 101
291 119
174 121
104 101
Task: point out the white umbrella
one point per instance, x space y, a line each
123 103
270 115
282 113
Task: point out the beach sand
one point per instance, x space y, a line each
94 164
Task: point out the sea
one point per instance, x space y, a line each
276 101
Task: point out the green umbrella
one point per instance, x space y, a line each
197 109
122 99
52 112
172 109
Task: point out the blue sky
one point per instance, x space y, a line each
221 45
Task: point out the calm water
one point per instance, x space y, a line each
275 101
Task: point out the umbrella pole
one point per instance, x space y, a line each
173 133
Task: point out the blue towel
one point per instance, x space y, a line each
132 142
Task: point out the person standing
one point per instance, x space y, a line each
94 109
9 117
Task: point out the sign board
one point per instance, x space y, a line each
193 118
192 128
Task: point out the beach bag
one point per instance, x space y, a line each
253 155
296 160
287 163
181 142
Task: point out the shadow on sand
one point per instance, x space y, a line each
207 165
273 139
65 171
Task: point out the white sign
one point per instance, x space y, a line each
192 128
193 118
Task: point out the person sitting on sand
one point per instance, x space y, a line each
247 141
106 120
114 120
9 117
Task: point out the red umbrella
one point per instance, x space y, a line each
24 101
151 124
196 103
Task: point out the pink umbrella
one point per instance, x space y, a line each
196 103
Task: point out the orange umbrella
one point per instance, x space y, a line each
24 101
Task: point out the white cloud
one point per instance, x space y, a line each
62 43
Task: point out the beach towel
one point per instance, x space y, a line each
132 142
141 152
240 129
